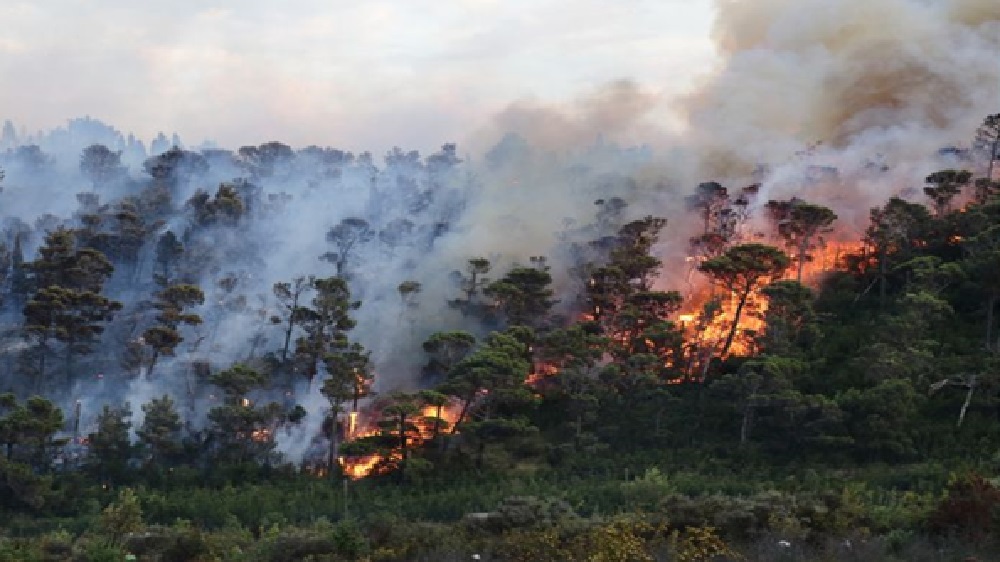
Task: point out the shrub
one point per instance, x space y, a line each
969 508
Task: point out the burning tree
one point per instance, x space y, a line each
398 424
943 187
241 431
741 271
349 380
801 226
722 217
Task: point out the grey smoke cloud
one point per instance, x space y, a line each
800 71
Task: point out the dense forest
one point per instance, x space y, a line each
279 354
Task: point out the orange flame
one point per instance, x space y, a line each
366 465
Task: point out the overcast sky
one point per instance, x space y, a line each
358 74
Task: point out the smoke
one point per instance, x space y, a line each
797 72
869 88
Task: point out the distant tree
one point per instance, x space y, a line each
19 283
33 159
169 251
6 260
172 302
943 188
101 165
709 200
325 324
867 414
987 142
574 347
409 292
267 159
67 305
399 232
472 282
633 250
347 238
444 159
289 295
226 208
175 166
523 295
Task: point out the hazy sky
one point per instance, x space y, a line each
358 74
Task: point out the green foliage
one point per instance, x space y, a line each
120 518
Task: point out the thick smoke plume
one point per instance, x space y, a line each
897 74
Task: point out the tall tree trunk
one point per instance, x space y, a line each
968 400
288 334
801 258
462 413
736 320
437 422
333 453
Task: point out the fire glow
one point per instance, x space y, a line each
431 422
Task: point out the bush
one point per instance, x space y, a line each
969 509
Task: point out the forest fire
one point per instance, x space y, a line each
707 317
431 422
